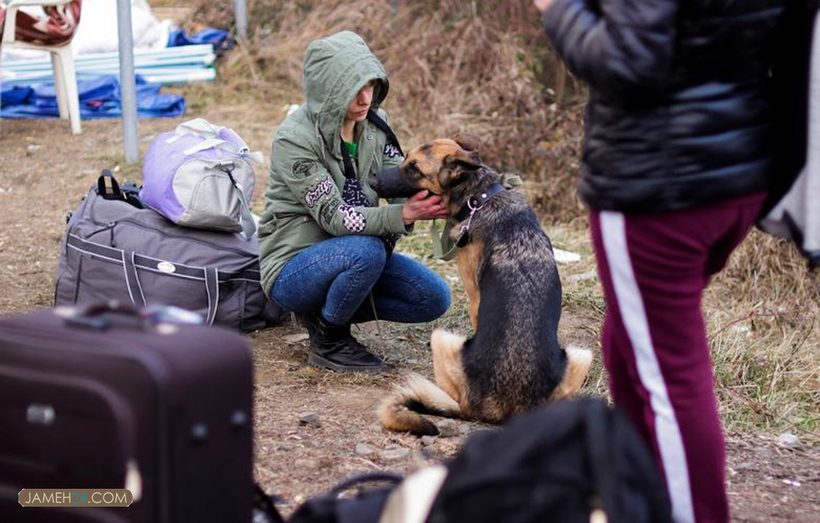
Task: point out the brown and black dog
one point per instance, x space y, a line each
514 361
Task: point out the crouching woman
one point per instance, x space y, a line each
326 246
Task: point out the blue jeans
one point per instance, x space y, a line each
336 276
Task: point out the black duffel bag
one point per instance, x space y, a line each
572 462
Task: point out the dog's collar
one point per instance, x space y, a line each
443 246
476 202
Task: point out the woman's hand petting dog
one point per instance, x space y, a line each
423 206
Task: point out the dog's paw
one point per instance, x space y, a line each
442 340
578 362
580 358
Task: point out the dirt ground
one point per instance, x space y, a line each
44 172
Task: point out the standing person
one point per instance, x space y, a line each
676 165
326 247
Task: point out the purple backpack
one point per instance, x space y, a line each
200 175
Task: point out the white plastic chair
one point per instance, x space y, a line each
62 60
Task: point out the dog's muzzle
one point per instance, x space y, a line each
390 184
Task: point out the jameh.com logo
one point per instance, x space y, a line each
75 498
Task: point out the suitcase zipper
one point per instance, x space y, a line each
178 236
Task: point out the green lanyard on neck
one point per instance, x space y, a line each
352 148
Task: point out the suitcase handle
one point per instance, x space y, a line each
115 193
103 316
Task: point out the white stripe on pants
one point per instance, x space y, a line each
633 314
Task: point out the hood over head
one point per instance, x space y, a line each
334 69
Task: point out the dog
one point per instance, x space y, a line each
513 362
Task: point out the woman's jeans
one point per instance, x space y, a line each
337 275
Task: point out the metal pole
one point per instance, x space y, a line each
241 19
128 87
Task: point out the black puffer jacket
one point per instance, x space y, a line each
680 102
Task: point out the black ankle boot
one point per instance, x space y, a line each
333 347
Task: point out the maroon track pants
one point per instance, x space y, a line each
654 269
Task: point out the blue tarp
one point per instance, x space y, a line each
100 94
99 98
221 40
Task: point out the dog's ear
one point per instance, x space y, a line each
469 143
455 166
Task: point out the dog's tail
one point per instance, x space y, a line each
402 410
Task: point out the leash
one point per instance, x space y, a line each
440 239
376 316
443 246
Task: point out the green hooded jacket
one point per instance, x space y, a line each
303 202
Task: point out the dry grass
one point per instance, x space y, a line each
486 69
762 314
457 67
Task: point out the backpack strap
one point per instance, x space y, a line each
608 432
367 477
376 120
230 147
413 499
599 446
264 506
245 215
366 506
214 137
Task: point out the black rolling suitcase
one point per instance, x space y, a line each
107 399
